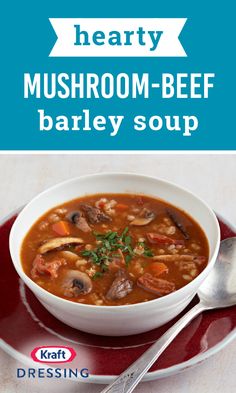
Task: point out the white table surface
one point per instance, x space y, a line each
212 177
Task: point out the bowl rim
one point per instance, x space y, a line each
36 288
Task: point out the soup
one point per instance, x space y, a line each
114 249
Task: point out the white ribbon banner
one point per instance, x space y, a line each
118 37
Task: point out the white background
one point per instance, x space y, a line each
212 177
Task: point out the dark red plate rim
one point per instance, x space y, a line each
25 324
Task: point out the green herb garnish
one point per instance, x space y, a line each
128 259
147 251
97 275
110 243
107 250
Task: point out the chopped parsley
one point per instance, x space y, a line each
147 251
109 245
97 275
128 259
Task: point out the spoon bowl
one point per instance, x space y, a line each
219 288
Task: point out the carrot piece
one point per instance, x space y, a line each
121 206
158 268
61 228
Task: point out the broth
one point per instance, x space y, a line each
114 249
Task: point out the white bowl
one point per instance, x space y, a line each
116 320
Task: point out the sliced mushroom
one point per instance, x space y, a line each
145 217
174 257
156 238
120 287
94 214
178 224
69 255
77 218
179 257
76 283
158 286
58 242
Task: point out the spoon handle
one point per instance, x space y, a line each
130 378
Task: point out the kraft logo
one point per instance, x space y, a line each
53 354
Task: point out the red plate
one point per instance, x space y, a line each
25 324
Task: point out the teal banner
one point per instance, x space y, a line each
117 76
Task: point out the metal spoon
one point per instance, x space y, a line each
217 291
